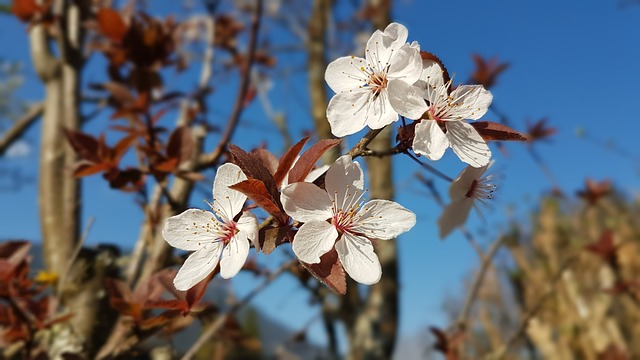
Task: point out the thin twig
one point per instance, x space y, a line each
428 167
463 318
76 251
212 158
361 146
209 332
20 126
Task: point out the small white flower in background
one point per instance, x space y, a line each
466 191
213 236
336 217
446 126
374 90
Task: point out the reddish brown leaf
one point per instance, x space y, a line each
122 146
270 238
253 167
119 92
12 254
329 271
269 160
486 72
539 130
309 158
180 144
257 191
594 191
169 165
288 159
111 24
24 9
86 169
490 130
195 293
86 146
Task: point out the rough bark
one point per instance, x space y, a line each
372 331
317 65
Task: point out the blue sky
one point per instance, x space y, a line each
574 62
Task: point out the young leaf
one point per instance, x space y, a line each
111 24
84 145
257 191
253 167
329 271
490 130
288 159
269 160
309 158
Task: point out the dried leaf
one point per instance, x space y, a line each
272 237
257 191
309 158
24 9
490 130
486 72
288 159
111 24
329 271
86 169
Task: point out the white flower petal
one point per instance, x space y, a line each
347 112
384 219
454 215
344 182
306 202
358 259
381 46
191 229
226 201
198 266
248 226
470 102
346 73
234 255
314 239
432 73
316 173
406 99
468 144
430 140
462 184
379 112
406 65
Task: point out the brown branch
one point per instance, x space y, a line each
209 332
20 126
212 158
361 147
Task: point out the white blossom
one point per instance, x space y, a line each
466 191
213 236
446 125
336 217
373 90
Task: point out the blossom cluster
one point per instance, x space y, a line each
330 215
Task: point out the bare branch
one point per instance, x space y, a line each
212 158
20 126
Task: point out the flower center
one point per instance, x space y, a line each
481 189
377 81
228 231
343 220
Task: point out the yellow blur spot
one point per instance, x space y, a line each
46 277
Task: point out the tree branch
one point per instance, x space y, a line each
20 126
212 158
